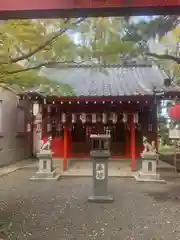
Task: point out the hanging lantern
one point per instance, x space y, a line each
49 127
150 127
73 118
35 108
135 118
88 131
63 117
107 130
58 127
99 118
38 118
83 117
38 127
104 118
110 117
125 118
94 118
48 108
28 127
88 118
174 112
114 118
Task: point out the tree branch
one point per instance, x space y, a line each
45 64
43 45
165 57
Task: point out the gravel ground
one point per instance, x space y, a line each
60 210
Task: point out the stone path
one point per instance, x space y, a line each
60 210
116 168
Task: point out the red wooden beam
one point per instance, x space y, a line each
25 5
59 8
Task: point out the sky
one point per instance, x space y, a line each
139 18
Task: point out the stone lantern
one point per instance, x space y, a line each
100 154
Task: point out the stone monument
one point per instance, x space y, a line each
45 171
100 155
148 172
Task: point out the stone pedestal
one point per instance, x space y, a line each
100 177
148 172
45 171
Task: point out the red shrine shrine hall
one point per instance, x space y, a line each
118 100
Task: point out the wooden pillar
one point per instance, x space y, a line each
133 144
65 163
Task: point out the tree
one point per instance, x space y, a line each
171 42
157 28
27 45
102 39
30 44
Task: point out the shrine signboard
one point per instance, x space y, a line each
174 133
39 8
100 171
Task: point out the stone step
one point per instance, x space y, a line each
143 177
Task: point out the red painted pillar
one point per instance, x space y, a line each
133 145
70 143
65 163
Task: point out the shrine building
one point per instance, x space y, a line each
120 100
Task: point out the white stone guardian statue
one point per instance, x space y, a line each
46 170
148 172
47 146
148 148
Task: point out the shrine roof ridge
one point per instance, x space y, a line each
96 65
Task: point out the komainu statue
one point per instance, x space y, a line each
150 148
47 146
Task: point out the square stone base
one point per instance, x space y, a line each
148 177
101 199
45 176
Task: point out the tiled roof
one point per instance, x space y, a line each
109 80
54 90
